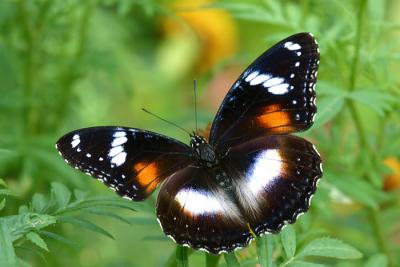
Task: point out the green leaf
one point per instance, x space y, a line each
264 250
37 240
288 238
2 204
59 238
366 193
182 256
231 260
61 194
297 263
7 253
2 183
39 203
106 213
328 247
328 108
6 192
155 238
378 260
212 260
85 224
378 100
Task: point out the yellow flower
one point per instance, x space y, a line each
392 181
214 28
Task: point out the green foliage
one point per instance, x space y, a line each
43 213
67 64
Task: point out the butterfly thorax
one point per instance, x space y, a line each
204 151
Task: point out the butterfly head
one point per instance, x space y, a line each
204 150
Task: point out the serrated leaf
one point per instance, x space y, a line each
61 194
37 240
328 247
297 263
288 238
378 260
7 253
328 108
85 224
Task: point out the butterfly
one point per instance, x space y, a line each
249 178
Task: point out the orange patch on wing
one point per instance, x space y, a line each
276 121
271 108
146 175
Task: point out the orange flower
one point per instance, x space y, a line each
392 181
214 27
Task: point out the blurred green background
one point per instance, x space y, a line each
68 64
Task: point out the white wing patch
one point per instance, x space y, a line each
198 202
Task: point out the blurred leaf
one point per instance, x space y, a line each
155 238
328 108
85 224
379 101
58 238
328 247
288 238
2 204
37 240
182 256
298 263
378 260
7 253
212 260
39 203
264 250
365 193
110 214
61 194
231 260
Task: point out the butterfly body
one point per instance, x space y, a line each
204 152
251 177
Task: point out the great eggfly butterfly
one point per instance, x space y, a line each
250 177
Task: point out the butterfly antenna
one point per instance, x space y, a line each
195 103
170 122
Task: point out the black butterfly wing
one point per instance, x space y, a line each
274 95
130 161
274 178
259 185
195 211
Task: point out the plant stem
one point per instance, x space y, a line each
373 214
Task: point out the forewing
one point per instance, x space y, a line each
194 210
274 95
130 161
274 178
